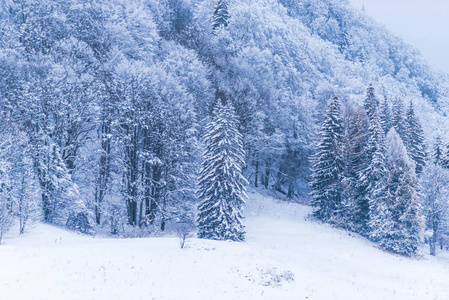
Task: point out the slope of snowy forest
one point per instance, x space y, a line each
285 256
143 118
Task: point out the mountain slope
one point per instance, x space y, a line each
286 256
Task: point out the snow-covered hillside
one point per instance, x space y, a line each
286 256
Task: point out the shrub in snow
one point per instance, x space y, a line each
117 218
274 278
81 222
183 234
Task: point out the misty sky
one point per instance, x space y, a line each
421 23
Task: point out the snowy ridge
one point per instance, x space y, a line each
286 256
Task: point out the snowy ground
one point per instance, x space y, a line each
285 257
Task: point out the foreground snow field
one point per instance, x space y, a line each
285 257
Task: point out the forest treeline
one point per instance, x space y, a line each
104 104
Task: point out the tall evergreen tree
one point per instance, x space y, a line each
438 152
435 200
445 157
416 147
378 195
371 103
398 120
370 178
221 185
355 158
328 170
402 222
221 15
385 115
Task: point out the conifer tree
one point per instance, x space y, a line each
398 120
445 157
385 115
221 185
438 153
371 103
328 170
371 177
355 160
381 220
401 221
345 38
221 15
435 200
416 147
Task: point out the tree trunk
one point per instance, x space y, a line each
105 169
156 192
256 177
164 203
132 175
432 244
267 173
433 239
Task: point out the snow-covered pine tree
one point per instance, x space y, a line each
371 179
380 218
355 158
398 120
371 102
221 185
435 200
415 145
385 115
221 15
328 170
445 157
402 214
438 154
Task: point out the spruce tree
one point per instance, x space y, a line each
416 147
221 15
445 157
438 154
371 103
371 177
328 170
385 115
435 200
401 221
221 185
355 160
398 120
